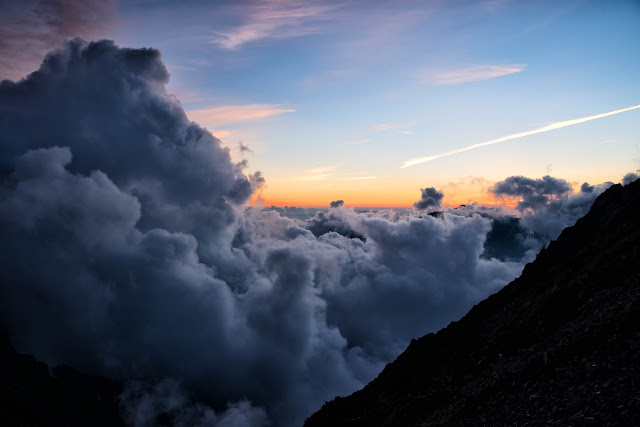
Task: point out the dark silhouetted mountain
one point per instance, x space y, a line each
560 345
33 394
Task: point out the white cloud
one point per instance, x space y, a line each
362 141
389 126
473 73
316 174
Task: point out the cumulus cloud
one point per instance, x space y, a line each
128 250
534 193
336 203
336 221
548 204
30 28
629 178
430 198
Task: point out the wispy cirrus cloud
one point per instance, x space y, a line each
216 116
552 126
360 178
389 126
275 19
472 73
316 174
362 141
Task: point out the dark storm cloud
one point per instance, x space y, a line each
128 251
336 203
430 198
30 28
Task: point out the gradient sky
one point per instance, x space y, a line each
333 97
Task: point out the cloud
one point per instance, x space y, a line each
430 198
552 126
129 251
336 203
474 73
629 178
150 404
533 192
30 28
548 204
362 141
389 126
360 178
317 174
217 116
274 20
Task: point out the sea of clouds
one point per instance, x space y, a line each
128 250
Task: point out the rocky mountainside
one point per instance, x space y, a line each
34 394
559 346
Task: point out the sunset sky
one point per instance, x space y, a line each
333 97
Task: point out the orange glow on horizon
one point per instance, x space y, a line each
377 200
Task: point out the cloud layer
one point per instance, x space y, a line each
128 251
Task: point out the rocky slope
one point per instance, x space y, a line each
559 346
33 394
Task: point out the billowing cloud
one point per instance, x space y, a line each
429 198
474 73
534 193
336 203
128 250
30 28
146 405
548 204
629 178
223 115
552 126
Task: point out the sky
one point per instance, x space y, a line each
331 98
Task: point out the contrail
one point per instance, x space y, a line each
546 128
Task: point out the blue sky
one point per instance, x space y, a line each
332 97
